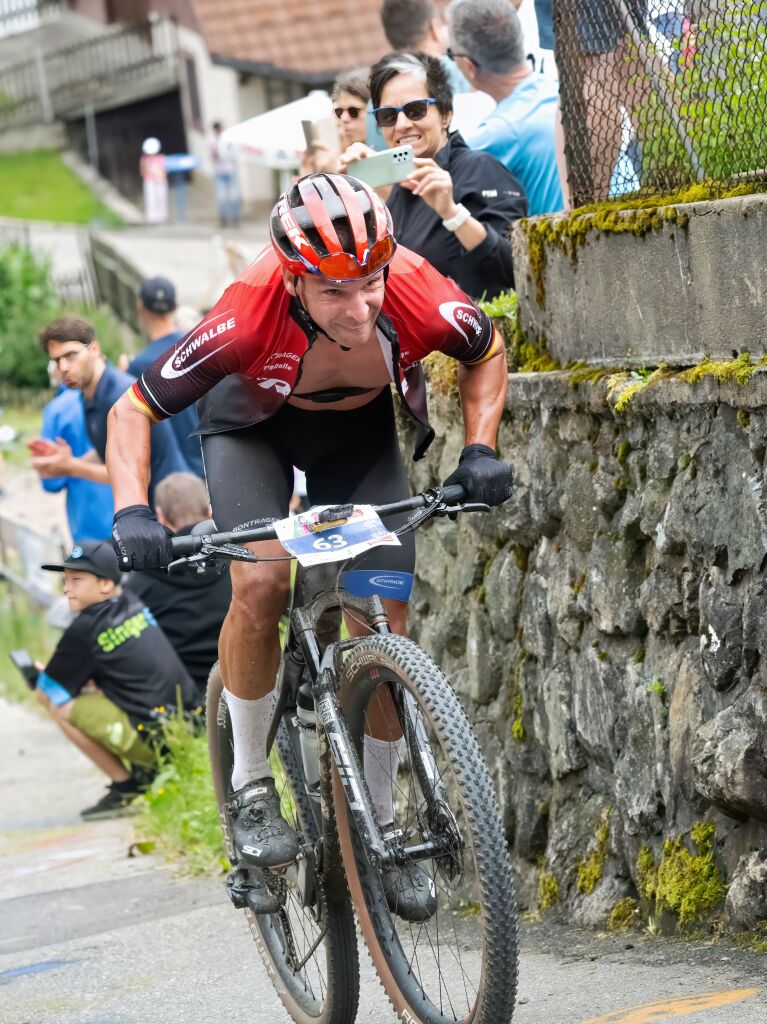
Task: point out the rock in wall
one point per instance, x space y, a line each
606 631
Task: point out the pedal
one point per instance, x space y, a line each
252 893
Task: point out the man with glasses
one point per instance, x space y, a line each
71 346
294 366
487 44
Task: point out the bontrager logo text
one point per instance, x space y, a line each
181 361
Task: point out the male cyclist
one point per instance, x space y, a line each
293 367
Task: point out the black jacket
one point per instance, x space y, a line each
491 194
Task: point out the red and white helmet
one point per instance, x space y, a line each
333 226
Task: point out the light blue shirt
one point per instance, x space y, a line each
458 83
520 133
89 505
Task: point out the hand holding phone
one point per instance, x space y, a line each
24 663
41 446
385 168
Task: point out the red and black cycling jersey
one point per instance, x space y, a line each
243 359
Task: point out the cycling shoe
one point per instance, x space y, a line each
261 836
410 892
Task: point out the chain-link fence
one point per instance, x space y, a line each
659 94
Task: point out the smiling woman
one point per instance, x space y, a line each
456 208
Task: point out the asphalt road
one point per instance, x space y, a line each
91 935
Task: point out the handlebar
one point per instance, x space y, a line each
191 544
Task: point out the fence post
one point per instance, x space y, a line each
42 82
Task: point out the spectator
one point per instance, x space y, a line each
614 79
456 207
89 505
189 609
487 43
110 673
155 178
70 343
416 26
157 314
350 96
224 179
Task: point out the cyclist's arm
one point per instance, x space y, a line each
128 453
482 387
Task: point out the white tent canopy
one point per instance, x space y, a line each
276 139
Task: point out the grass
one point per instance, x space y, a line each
179 815
21 625
25 418
38 186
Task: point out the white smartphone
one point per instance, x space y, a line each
385 168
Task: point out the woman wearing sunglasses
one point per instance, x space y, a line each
456 207
350 95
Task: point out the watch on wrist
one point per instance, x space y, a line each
458 219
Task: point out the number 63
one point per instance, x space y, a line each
333 542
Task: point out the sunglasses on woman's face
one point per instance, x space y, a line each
353 112
415 110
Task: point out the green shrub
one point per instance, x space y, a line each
27 302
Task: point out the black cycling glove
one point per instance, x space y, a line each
140 542
483 476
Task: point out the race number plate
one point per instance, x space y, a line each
313 542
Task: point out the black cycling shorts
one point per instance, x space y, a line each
348 456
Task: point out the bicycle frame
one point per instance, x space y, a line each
314 605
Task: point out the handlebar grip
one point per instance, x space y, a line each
186 545
453 493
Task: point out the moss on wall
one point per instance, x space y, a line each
548 890
637 216
591 869
688 885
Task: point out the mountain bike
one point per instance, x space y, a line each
461 963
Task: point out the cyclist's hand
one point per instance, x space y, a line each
483 476
140 542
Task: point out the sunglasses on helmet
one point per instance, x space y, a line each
353 112
342 267
415 110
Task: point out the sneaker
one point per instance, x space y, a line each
262 838
410 892
115 803
249 888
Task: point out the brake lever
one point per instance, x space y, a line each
223 552
469 506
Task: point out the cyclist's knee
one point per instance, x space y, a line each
260 592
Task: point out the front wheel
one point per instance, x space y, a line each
310 952
461 964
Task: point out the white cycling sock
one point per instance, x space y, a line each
250 726
381 762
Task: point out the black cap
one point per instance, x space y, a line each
158 295
94 556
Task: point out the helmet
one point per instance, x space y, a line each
151 146
333 226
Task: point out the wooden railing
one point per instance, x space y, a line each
89 74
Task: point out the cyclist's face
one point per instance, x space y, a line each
347 312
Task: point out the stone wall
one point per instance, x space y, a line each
648 286
606 631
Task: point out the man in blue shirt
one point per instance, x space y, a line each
70 343
157 313
416 26
89 505
487 42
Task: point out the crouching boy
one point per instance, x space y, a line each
110 673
